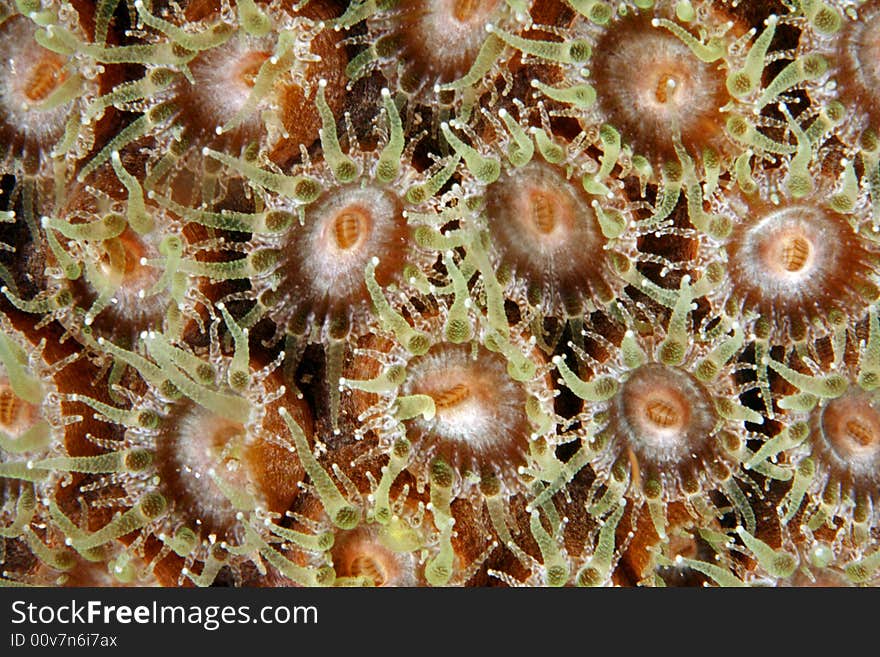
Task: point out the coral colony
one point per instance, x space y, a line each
439 292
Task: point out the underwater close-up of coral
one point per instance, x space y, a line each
475 293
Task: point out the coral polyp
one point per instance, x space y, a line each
40 74
663 413
456 29
673 427
848 426
474 399
363 556
435 49
251 87
117 256
42 92
540 222
465 390
323 277
194 453
33 378
681 91
795 266
858 50
846 39
439 293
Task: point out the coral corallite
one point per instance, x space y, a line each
439 293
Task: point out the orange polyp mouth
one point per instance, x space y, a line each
351 227
440 39
122 257
663 413
360 553
789 252
861 434
543 210
851 426
204 449
465 10
796 252
451 397
653 88
225 432
16 415
459 395
44 78
364 565
547 215
467 429
665 91
224 443
9 407
249 67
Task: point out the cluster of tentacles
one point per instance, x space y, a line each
439 292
